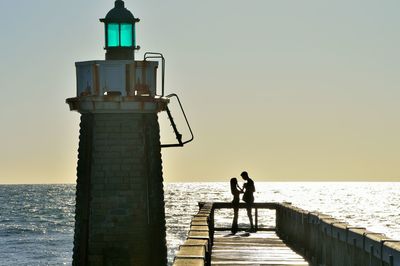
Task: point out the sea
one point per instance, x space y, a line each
37 221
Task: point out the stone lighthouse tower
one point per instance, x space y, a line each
120 217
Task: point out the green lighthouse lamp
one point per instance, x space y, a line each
120 39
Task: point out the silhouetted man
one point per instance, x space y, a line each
248 196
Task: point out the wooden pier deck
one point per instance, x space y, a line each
261 248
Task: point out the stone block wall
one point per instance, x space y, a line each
120 217
324 240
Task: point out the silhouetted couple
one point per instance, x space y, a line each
248 197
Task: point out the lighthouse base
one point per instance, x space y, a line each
120 217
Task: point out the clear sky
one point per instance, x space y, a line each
288 90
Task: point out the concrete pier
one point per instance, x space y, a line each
320 239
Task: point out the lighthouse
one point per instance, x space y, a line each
119 217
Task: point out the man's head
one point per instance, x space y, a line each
244 175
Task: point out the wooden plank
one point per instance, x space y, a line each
199 218
191 252
188 262
196 242
261 248
199 234
201 214
199 223
199 228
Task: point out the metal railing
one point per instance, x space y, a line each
255 206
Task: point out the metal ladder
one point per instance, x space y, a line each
159 56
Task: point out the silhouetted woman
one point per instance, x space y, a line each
235 190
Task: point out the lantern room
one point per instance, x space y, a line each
121 84
120 33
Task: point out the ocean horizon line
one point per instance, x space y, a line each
227 180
